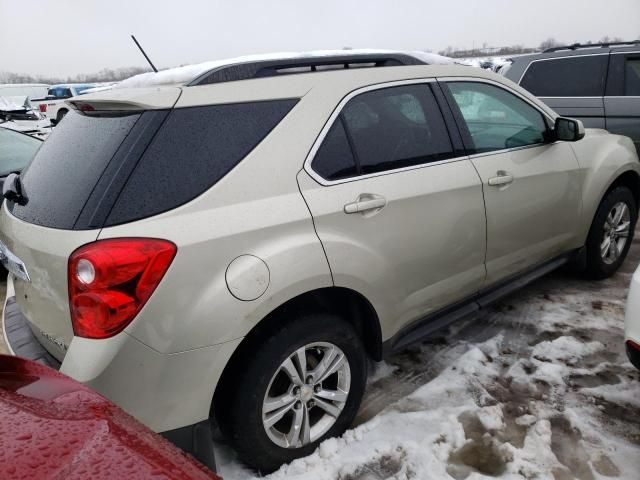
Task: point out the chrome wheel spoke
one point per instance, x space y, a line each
276 416
274 403
300 359
306 426
292 372
328 368
328 407
293 437
622 230
604 247
620 212
333 395
614 251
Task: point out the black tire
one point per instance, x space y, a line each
239 415
60 116
596 267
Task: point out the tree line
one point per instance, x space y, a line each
104 75
485 50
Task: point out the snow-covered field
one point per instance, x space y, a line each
538 387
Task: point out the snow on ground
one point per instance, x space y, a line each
537 387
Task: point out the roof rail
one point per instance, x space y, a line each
576 46
288 66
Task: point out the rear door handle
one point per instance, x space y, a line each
365 203
502 178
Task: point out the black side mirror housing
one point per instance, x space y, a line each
568 129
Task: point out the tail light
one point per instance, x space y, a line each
633 345
111 280
43 108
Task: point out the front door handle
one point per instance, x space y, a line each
502 178
365 203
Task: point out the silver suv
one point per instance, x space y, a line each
596 83
237 247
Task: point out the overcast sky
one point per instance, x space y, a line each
66 37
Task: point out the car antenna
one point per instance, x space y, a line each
145 54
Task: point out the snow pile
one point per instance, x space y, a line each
538 387
187 73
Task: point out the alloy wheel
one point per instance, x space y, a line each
617 227
306 395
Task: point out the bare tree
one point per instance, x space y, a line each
549 43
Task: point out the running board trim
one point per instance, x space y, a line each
433 322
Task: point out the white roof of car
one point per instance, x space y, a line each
185 74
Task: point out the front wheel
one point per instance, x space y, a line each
303 385
611 233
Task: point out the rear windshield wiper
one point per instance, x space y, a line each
12 190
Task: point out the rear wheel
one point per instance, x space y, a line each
303 384
611 233
60 116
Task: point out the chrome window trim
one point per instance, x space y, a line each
559 58
379 86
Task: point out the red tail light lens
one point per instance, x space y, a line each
111 280
633 345
43 108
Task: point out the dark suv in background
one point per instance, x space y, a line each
598 83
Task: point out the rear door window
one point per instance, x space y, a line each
582 76
632 77
387 129
334 159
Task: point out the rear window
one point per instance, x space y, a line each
567 77
59 92
103 171
66 168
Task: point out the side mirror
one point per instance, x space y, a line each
568 129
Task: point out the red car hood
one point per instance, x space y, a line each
52 427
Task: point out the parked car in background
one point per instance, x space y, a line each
17 113
16 151
234 247
597 83
35 91
632 321
54 427
54 105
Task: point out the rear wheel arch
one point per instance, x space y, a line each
343 302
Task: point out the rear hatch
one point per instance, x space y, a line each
70 188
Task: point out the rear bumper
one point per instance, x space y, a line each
19 338
169 393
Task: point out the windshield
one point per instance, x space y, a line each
16 151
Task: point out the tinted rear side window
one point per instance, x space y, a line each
632 77
67 166
567 77
195 148
334 159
